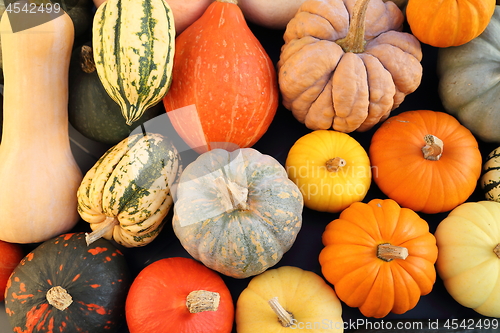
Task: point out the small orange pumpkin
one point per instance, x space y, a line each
448 23
425 160
379 257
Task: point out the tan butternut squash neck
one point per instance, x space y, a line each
354 41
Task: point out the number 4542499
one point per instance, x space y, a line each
32 8
485 323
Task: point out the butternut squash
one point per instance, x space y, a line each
39 176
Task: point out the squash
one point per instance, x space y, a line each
288 298
126 195
65 286
179 295
331 169
379 257
12 254
490 180
224 91
237 212
91 111
425 160
134 45
38 172
468 82
448 22
469 255
345 65
271 15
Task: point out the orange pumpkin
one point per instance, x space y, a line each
224 91
425 160
379 257
447 23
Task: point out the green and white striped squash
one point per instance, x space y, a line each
490 180
237 212
126 195
134 45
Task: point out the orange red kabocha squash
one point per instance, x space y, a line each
425 160
345 64
379 257
224 91
446 23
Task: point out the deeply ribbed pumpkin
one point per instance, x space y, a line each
224 92
379 257
134 44
126 195
237 212
346 65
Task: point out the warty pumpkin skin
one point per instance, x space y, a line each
237 212
288 298
38 172
468 82
179 295
224 91
412 167
445 23
66 286
469 255
346 65
379 257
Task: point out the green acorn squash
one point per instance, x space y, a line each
237 212
65 286
91 111
469 78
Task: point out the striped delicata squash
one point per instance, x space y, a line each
134 45
126 195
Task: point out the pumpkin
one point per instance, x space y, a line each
449 22
91 111
288 298
469 255
331 169
134 44
224 91
345 65
379 257
272 15
425 160
64 285
468 82
490 180
12 254
237 212
38 172
126 195
179 295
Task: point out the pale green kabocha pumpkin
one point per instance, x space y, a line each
237 212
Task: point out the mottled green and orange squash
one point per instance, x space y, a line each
237 212
65 286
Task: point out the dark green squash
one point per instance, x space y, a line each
64 285
91 111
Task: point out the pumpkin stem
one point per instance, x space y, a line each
334 164
105 227
202 300
234 196
59 298
87 59
433 148
388 252
354 41
284 317
497 250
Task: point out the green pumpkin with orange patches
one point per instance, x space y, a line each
66 286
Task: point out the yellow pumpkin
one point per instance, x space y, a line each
468 241
286 298
331 169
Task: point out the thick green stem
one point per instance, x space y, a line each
354 41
